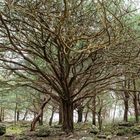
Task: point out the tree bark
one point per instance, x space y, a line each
36 119
100 118
86 115
126 99
1 114
67 116
126 106
135 102
94 111
18 115
60 114
114 113
51 118
80 113
41 119
25 115
15 114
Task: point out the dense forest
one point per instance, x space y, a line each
69 69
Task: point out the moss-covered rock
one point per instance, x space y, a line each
2 129
43 132
94 129
24 138
135 130
123 131
126 124
101 136
57 126
109 137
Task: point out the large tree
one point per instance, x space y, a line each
58 46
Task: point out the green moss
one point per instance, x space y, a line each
2 129
43 131
14 129
124 131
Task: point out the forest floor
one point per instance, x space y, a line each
20 131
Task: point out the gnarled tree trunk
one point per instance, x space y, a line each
36 119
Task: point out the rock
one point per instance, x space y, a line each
87 138
70 136
61 133
24 138
30 133
109 137
121 132
57 126
101 136
8 137
43 132
126 124
94 129
136 130
2 129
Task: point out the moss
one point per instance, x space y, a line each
135 130
43 131
24 138
123 131
14 129
94 130
2 129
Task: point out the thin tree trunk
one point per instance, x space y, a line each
100 118
114 113
135 102
25 115
126 107
51 118
41 119
86 115
67 116
60 114
80 113
94 110
126 99
36 119
1 114
18 115
15 114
